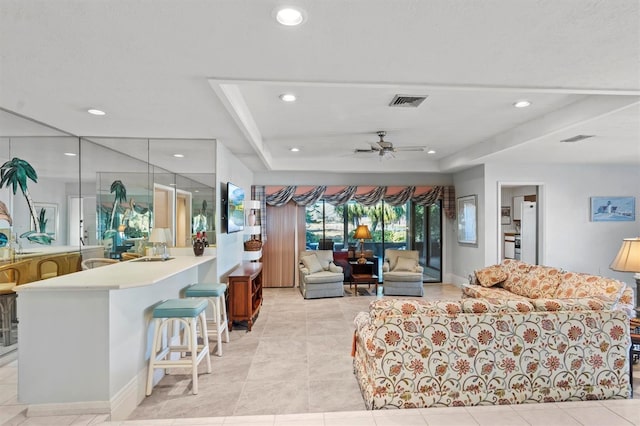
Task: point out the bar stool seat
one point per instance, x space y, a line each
186 312
214 293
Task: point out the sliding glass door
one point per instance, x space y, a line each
406 227
427 232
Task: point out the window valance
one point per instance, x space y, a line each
375 195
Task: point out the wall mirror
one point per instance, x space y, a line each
102 191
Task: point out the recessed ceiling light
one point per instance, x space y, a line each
70 154
178 155
294 149
431 151
522 104
289 16
288 97
94 111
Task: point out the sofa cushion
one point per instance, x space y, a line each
481 306
575 284
516 275
575 304
540 281
323 277
491 275
312 263
405 264
402 276
470 290
383 308
392 255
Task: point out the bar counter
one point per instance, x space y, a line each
84 338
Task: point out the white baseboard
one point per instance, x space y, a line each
118 408
457 280
127 399
68 408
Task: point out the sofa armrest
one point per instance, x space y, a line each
419 269
364 331
385 266
304 270
361 320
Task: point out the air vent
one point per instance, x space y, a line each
577 138
407 101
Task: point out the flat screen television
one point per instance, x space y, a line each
235 208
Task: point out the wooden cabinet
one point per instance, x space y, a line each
245 293
517 207
371 267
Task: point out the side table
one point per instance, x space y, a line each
364 279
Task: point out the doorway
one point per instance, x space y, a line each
520 222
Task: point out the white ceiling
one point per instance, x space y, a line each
214 69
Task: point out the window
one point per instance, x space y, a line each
332 227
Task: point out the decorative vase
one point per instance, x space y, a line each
251 218
198 248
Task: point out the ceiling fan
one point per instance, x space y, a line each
386 149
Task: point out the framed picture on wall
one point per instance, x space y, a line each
467 208
47 217
613 209
505 215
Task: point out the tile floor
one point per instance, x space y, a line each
294 368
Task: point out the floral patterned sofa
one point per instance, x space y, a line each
514 279
416 353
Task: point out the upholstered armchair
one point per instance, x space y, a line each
401 273
319 276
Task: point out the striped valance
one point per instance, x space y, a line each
370 198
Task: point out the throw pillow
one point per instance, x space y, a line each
312 264
491 275
405 264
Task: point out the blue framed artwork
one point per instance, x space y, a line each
613 209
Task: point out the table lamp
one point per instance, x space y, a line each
628 260
362 233
159 236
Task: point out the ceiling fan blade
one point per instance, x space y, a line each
368 151
409 148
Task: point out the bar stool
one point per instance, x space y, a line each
214 293
187 312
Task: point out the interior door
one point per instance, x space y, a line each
183 219
163 207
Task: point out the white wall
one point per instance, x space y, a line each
230 246
570 240
465 258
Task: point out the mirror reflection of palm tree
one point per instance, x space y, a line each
120 197
15 173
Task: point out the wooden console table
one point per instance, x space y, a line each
245 293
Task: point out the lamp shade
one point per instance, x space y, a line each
362 233
158 235
252 204
628 258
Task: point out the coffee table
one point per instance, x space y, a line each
364 279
